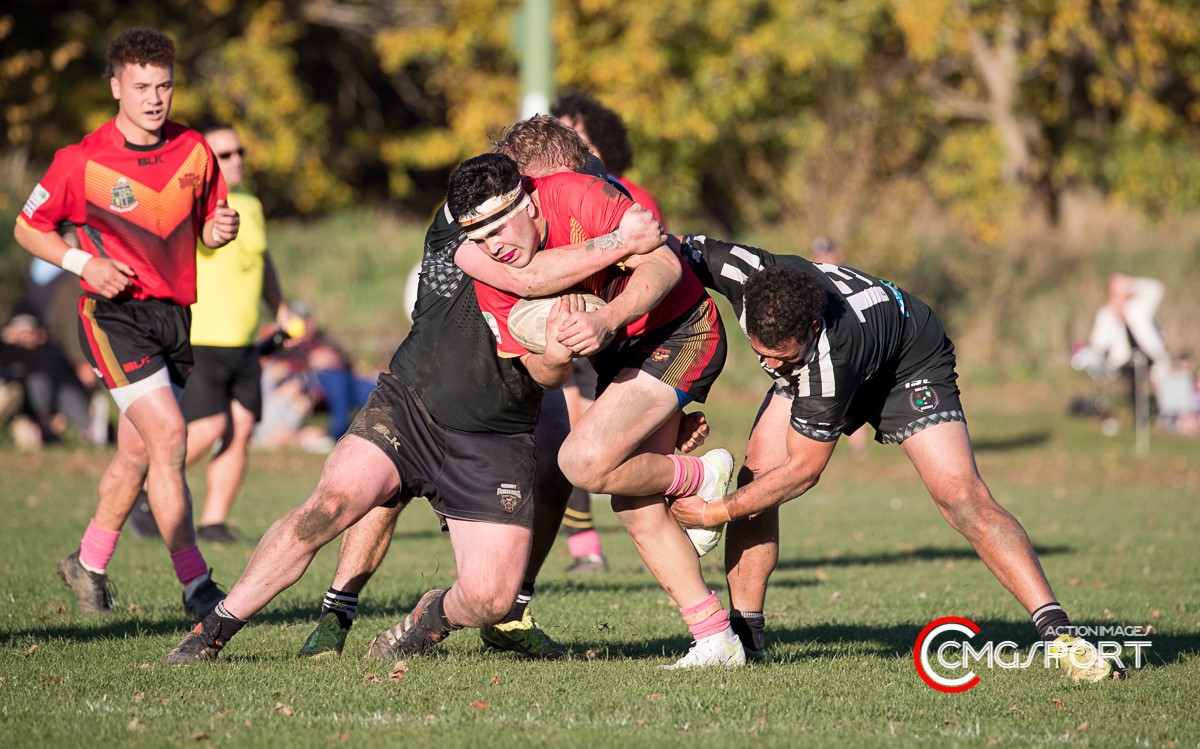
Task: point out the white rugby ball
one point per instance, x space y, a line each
704 539
527 319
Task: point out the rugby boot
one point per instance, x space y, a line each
413 636
524 636
93 591
327 638
721 649
1079 660
203 599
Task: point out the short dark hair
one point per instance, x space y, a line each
781 304
480 178
139 47
604 129
209 126
541 143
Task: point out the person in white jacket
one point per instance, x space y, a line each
1125 326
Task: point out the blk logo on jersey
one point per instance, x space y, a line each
123 200
386 433
509 495
150 160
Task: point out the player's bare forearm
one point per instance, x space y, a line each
550 373
652 279
47 245
549 272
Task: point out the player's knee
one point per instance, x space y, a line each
582 468
488 604
323 516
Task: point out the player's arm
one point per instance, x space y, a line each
221 227
552 368
806 460
107 276
653 277
554 270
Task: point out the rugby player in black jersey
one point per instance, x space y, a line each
847 349
447 400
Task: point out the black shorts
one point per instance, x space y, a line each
223 374
465 475
686 354
921 391
127 340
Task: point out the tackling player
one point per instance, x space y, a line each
141 190
847 349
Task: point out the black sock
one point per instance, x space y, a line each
748 626
343 605
1051 621
219 626
524 596
434 617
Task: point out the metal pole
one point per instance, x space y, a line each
537 58
1141 404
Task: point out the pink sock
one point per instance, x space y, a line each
706 618
97 547
689 472
189 564
584 544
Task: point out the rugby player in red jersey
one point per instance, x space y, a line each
141 190
657 346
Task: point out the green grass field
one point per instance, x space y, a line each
866 563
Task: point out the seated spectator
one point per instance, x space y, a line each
51 396
286 409
329 372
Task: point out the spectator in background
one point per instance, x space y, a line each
327 372
43 393
1125 332
604 133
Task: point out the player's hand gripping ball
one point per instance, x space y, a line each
527 319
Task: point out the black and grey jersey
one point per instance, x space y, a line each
863 332
449 357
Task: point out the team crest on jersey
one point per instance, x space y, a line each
509 495
123 198
922 397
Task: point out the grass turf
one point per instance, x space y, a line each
866 562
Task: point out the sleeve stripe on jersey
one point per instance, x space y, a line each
866 298
747 257
735 274
823 377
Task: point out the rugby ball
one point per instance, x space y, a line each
704 539
527 319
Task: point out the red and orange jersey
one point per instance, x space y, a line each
577 208
144 206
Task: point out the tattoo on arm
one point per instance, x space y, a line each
607 242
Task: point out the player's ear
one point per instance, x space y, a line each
115 84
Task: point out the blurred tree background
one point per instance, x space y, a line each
997 157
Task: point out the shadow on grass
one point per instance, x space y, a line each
1012 442
922 554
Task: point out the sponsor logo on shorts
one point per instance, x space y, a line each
386 433
123 200
36 198
131 366
660 354
921 397
509 495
